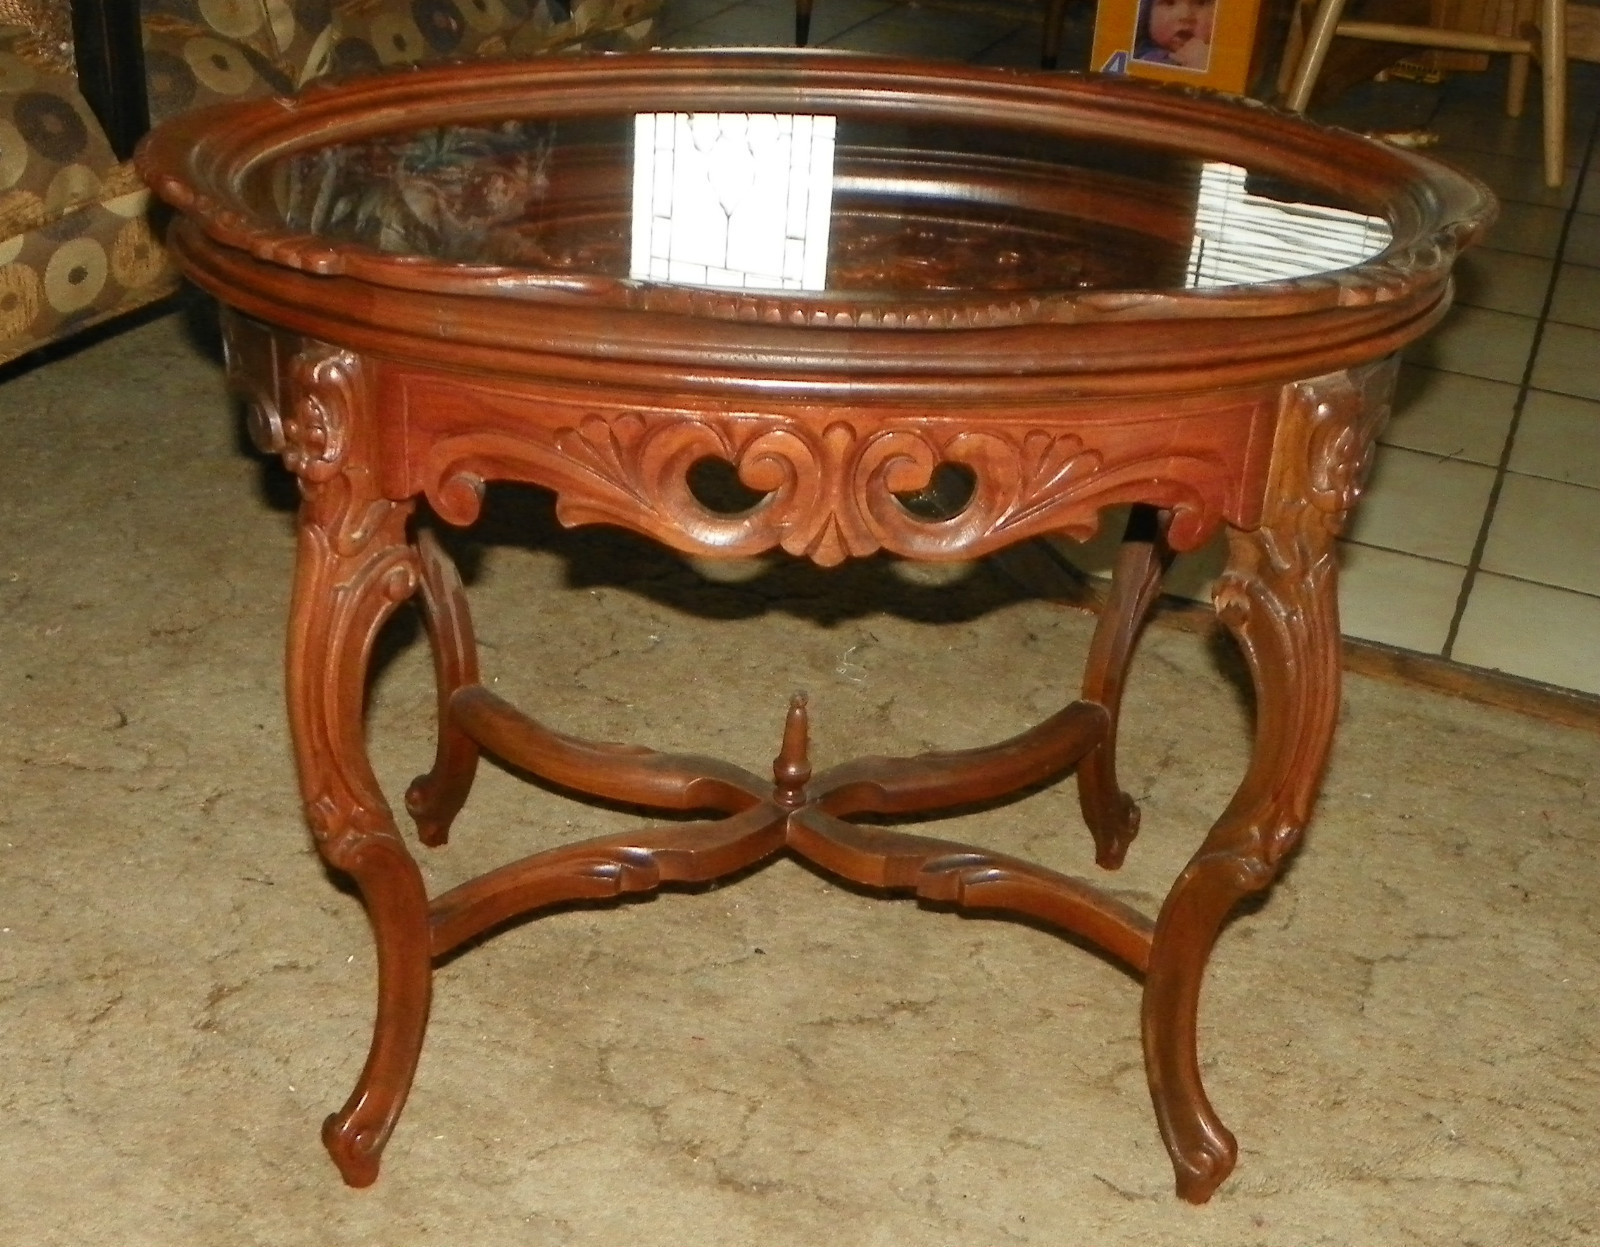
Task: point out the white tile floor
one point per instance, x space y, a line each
1489 484
1479 540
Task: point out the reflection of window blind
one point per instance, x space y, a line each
738 200
1240 238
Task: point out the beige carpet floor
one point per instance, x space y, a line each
1404 1037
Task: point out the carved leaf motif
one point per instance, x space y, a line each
645 466
828 546
604 448
833 496
837 491
1051 466
326 392
1343 446
1277 597
316 434
344 829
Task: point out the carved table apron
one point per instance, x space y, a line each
378 397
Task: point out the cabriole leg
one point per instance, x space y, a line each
354 567
433 800
1112 815
1277 598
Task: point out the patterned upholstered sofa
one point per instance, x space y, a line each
76 243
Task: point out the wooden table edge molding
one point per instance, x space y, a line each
385 381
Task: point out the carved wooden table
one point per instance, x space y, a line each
1045 295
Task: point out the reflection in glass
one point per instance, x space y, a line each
733 200
857 207
1241 238
452 192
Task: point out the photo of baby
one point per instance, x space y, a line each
1175 32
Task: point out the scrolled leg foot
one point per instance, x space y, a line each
355 1152
397 904
433 800
1202 1149
1111 814
1205 1166
1116 827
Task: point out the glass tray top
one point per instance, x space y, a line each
814 202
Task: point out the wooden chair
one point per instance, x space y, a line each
1493 26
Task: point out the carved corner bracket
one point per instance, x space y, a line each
1278 594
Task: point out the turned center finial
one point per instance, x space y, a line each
791 769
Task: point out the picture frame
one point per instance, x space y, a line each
1202 43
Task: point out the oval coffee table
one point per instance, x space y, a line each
895 306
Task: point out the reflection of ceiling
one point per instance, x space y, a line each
742 201
1242 238
732 200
